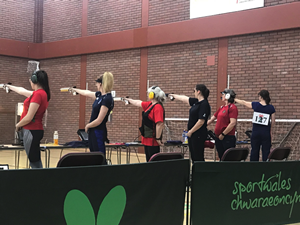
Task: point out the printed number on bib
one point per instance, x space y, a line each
261 118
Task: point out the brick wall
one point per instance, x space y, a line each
278 2
293 141
63 109
105 16
168 11
62 20
17 19
12 70
178 68
125 66
267 61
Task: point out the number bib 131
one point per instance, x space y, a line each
261 118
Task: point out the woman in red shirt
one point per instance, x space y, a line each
226 117
153 120
34 108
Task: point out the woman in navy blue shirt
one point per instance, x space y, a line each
263 120
101 109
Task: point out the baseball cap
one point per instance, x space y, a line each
99 80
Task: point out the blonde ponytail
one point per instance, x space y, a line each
107 82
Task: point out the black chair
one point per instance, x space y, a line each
280 153
235 154
161 156
82 159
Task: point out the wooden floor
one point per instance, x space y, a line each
8 157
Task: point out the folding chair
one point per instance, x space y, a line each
280 153
82 159
235 154
161 156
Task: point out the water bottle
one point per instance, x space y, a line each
55 138
186 137
183 136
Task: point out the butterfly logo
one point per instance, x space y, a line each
79 211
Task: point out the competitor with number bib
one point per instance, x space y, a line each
263 120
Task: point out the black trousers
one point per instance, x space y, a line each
150 151
229 141
196 146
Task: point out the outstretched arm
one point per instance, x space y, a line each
182 98
19 90
242 102
137 103
86 93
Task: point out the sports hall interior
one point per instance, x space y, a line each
144 43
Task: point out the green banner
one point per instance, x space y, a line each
245 193
146 193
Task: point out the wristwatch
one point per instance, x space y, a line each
223 134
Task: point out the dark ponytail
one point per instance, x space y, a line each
203 89
265 96
42 79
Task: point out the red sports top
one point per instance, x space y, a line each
156 115
40 97
223 118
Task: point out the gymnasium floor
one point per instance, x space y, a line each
8 157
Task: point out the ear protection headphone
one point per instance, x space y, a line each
152 94
34 78
227 96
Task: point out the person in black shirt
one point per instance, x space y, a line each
197 124
102 107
